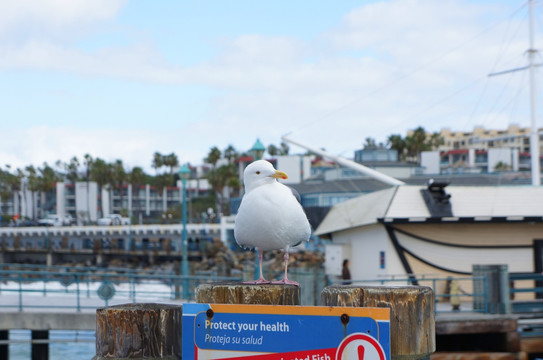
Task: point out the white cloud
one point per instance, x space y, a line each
54 15
380 71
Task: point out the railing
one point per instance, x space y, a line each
26 286
39 287
526 293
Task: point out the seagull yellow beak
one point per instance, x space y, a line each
279 175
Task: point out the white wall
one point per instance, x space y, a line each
366 244
496 155
333 258
105 201
430 160
296 167
86 203
61 195
292 166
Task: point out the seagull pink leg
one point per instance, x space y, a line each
285 279
261 279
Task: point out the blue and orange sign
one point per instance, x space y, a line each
266 332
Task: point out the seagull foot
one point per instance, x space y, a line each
286 282
257 282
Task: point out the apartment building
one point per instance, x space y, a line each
482 139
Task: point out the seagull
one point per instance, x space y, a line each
270 215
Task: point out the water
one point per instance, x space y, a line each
73 345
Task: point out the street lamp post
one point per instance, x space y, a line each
258 150
184 174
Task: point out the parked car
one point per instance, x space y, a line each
114 219
55 220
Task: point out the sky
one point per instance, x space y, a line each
123 79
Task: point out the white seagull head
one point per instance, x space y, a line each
260 172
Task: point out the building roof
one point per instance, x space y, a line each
406 204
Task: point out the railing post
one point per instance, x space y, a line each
78 299
138 331
412 323
20 293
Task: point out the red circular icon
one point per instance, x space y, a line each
360 346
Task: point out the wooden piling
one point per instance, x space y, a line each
4 348
412 323
40 351
246 294
138 331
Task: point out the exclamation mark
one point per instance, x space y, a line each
360 352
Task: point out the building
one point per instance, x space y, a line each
463 161
513 137
437 229
85 202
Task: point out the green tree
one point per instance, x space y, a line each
213 157
416 142
396 142
284 148
72 168
33 185
273 150
88 161
158 161
220 178
137 178
10 184
435 141
100 173
370 143
230 154
161 182
47 183
119 178
170 161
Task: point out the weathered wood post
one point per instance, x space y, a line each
412 323
138 331
40 351
243 294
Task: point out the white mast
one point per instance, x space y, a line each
349 163
534 135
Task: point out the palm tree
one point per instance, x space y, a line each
161 182
396 142
136 178
33 185
88 161
273 150
5 187
118 177
220 178
47 182
170 161
213 157
284 148
100 172
72 169
416 142
230 154
370 143
10 184
158 161
435 141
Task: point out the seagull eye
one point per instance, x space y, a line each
258 172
